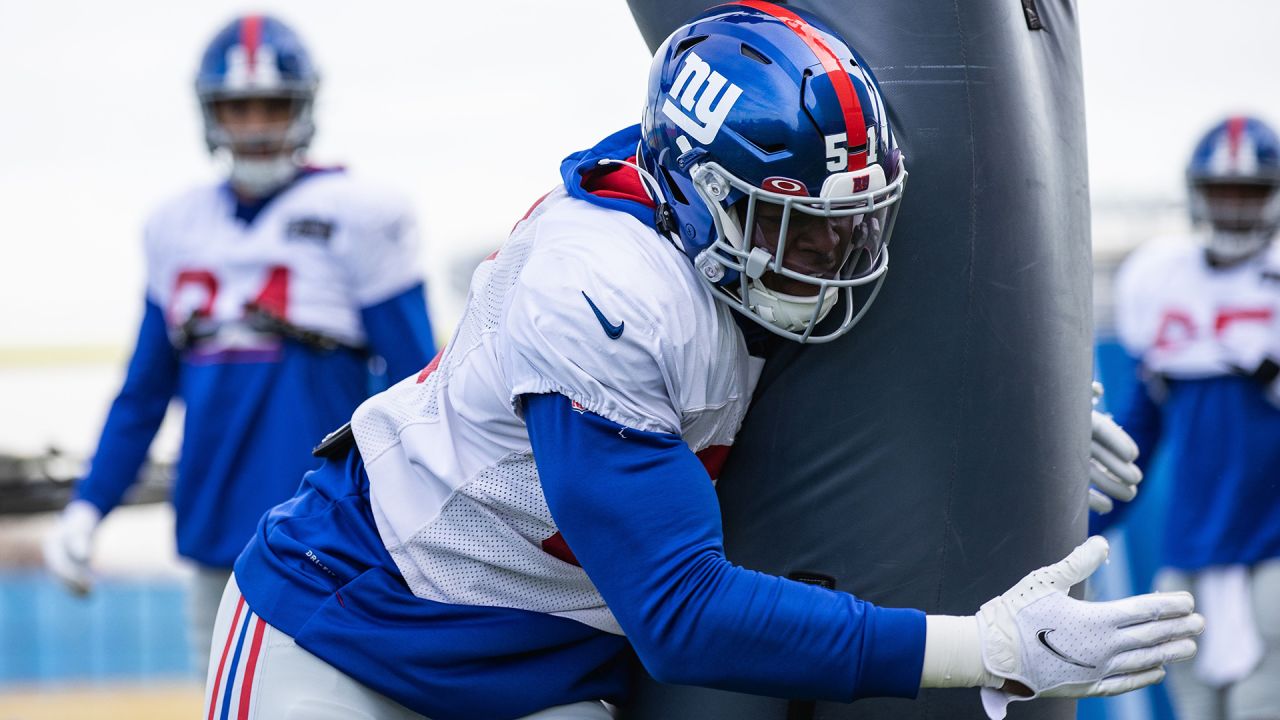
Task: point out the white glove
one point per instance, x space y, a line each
1057 646
68 546
1036 641
1112 472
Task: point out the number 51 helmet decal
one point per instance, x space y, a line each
768 137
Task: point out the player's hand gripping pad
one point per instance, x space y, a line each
1113 471
1058 646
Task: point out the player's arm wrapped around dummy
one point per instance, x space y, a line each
638 509
639 512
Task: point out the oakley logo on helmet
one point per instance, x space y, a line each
697 88
785 186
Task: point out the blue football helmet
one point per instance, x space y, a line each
257 56
778 170
1234 184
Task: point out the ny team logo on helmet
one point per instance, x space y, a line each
702 91
1233 181
757 109
258 56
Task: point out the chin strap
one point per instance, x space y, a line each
789 312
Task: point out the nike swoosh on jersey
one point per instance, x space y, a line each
1043 637
613 331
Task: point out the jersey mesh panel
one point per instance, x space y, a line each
485 548
378 424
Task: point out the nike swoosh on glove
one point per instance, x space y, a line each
1057 646
68 546
1113 473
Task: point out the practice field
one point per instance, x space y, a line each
123 702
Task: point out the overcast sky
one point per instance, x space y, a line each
468 114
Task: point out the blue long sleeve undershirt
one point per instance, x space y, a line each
639 512
135 415
399 330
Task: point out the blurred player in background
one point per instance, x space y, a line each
492 537
268 297
1200 317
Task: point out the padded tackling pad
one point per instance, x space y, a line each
938 452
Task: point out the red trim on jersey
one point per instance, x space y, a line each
527 213
617 182
431 367
713 458
251 38
246 686
855 130
556 547
217 679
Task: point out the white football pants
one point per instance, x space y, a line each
1256 697
274 679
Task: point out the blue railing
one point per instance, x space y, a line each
125 630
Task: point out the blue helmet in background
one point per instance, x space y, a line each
1234 184
761 115
258 56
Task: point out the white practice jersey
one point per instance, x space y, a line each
1185 319
582 301
326 247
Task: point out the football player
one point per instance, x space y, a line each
268 296
1200 318
493 536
